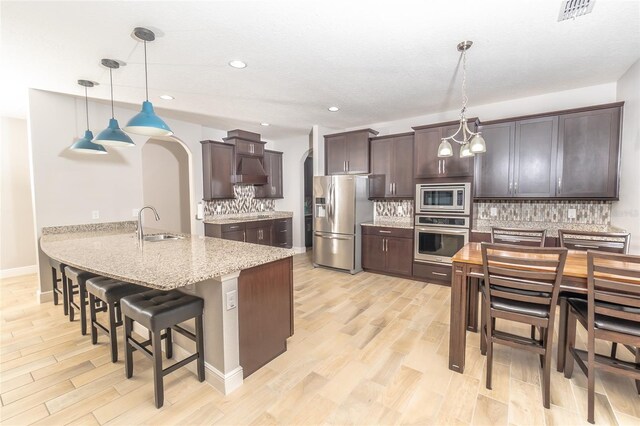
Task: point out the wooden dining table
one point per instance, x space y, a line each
468 269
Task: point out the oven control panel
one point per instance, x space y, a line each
449 221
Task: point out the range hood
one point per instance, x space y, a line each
249 171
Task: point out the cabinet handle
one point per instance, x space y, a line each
390 188
439 273
439 166
244 237
347 165
510 186
384 232
444 167
394 188
344 166
515 187
234 227
559 185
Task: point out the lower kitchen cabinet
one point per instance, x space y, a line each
270 232
387 250
435 273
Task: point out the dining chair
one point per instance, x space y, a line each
518 236
521 284
613 242
610 312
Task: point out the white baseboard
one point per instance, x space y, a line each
16 272
225 384
299 250
44 297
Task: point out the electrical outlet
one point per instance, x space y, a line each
232 300
571 213
219 208
400 211
95 214
134 212
493 211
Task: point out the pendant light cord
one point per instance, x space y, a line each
111 83
146 82
86 105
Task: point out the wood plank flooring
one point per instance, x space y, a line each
368 349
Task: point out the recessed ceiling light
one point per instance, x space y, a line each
264 124
333 108
167 97
238 64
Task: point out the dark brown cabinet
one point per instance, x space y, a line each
259 232
270 232
521 161
273 168
348 152
218 168
391 178
588 154
282 233
426 161
387 250
566 154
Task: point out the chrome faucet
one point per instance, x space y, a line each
139 232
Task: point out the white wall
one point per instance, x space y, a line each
68 186
554 101
17 241
626 212
165 185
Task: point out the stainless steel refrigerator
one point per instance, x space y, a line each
340 205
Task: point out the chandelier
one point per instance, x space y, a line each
471 142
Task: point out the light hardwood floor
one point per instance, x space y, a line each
368 349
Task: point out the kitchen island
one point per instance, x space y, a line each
247 288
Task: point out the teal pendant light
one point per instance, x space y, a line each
84 144
112 135
146 122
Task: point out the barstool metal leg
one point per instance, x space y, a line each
113 334
128 349
156 341
65 296
168 344
70 299
200 347
92 315
82 294
54 278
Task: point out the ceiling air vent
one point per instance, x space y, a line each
571 9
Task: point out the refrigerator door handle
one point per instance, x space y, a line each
330 237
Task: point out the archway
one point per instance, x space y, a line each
166 171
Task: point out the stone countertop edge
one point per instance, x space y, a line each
246 217
164 265
400 224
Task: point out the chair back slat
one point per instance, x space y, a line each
520 273
532 273
613 287
616 313
538 300
520 284
549 263
613 242
518 236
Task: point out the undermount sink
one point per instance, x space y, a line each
162 237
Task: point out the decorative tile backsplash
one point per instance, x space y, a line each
589 212
402 208
243 203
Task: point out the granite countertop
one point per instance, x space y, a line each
246 217
115 252
481 225
392 222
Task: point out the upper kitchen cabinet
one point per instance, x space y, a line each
588 153
521 161
572 154
273 167
348 152
391 178
218 167
427 164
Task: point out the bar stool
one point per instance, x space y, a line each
76 284
109 291
159 310
58 268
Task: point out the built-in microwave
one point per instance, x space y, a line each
443 198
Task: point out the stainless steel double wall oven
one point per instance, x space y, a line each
442 222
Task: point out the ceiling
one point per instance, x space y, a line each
377 61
